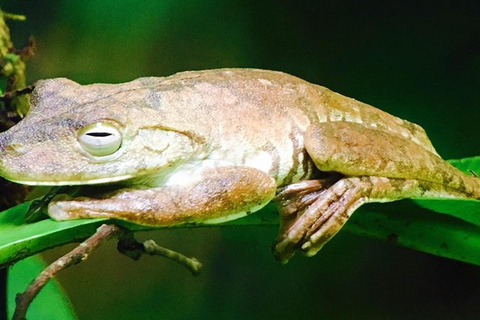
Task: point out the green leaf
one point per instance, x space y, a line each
51 303
444 227
19 240
406 224
467 210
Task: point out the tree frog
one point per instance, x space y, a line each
215 145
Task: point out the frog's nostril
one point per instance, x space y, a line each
14 149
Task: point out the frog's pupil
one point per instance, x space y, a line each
99 134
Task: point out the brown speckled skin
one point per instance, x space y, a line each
242 109
208 144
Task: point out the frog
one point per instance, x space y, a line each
206 147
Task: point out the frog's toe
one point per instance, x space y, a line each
283 249
321 220
293 201
57 208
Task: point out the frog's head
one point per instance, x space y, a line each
91 134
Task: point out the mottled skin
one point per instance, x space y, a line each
215 145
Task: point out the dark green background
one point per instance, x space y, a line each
418 60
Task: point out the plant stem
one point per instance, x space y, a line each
77 255
128 246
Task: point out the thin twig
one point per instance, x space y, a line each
13 68
14 16
128 246
154 249
77 255
12 94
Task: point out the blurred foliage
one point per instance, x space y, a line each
418 60
12 69
12 105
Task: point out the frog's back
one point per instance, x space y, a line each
225 98
279 97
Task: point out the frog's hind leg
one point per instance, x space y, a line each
353 149
370 166
315 223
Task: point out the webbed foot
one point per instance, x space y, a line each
314 211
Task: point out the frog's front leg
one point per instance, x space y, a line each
218 194
367 165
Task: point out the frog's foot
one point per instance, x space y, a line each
323 211
294 199
312 213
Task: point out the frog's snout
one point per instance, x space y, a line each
4 138
8 147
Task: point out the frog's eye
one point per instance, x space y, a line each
100 139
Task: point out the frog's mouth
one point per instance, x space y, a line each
53 182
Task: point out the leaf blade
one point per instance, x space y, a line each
19 240
404 224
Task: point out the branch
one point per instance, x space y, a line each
127 245
9 95
77 255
